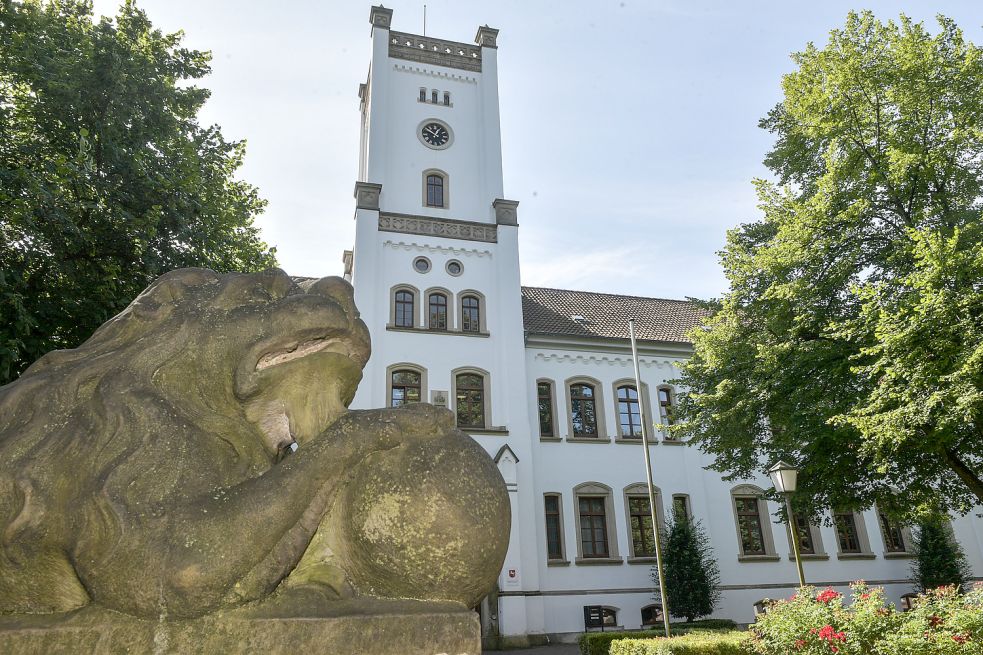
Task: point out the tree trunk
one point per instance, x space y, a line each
966 474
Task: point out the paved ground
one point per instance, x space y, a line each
561 649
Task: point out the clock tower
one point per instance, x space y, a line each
435 264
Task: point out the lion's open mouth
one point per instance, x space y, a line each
303 349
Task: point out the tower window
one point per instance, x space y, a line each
435 190
438 311
404 309
447 99
423 94
470 314
433 96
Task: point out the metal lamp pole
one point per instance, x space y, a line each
784 476
648 477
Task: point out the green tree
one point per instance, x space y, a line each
851 339
106 178
939 561
691 572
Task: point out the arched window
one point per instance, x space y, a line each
435 190
447 99
423 94
403 309
470 401
433 96
753 523
470 314
629 416
665 405
652 615
609 616
583 410
544 399
437 303
405 387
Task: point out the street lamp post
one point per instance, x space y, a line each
784 476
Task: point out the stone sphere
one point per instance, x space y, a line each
429 521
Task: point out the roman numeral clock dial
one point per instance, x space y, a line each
435 135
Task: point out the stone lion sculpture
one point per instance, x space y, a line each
152 471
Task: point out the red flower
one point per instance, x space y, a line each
800 643
935 620
829 633
864 596
960 639
827 595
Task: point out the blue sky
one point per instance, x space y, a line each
629 128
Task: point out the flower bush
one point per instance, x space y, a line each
941 622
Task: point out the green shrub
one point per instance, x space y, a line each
599 643
702 624
942 622
694 643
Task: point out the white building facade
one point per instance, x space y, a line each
543 378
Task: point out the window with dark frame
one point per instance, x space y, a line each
438 311
435 190
470 389
749 522
423 94
404 309
804 532
846 532
447 99
583 410
593 526
640 517
544 397
629 414
652 615
433 96
405 387
470 314
554 537
609 616
665 406
893 538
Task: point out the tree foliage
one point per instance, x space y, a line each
851 339
691 571
939 561
106 178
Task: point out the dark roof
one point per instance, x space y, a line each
564 312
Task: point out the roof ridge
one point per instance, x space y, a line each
612 295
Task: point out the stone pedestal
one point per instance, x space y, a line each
382 628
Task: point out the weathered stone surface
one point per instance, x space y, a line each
149 472
386 629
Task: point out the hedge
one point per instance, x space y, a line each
694 643
599 643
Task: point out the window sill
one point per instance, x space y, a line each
551 439
634 440
899 555
492 430
673 442
759 558
420 330
598 561
589 439
557 562
641 560
807 557
856 556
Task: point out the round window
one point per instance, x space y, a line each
454 267
421 265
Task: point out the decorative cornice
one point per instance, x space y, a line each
457 252
624 362
367 195
434 51
487 37
381 17
429 72
505 211
438 227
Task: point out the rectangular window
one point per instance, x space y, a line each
593 526
665 406
554 537
544 393
447 99
435 191
470 401
405 388
749 522
893 539
434 96
629 415
583 414
642 538
423 94
804 532
438 312
846 532
404 309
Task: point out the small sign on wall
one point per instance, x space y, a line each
511 577
438 398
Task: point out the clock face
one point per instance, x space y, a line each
435 135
